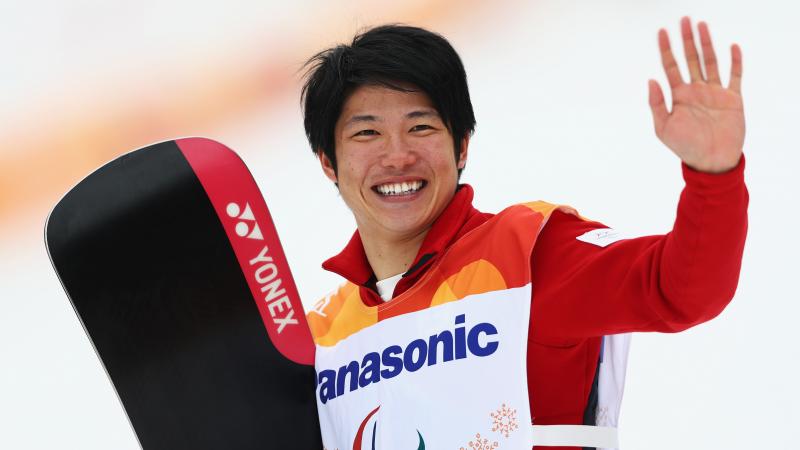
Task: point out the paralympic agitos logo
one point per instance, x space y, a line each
452 345
358 442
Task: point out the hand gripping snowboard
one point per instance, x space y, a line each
172 263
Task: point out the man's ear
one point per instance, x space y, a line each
461 162
327 166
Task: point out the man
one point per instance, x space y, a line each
457 327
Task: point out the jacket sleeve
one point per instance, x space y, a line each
664 283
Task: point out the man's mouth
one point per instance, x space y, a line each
397 189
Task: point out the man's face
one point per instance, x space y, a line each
395 161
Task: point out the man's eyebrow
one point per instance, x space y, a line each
422 113
361 118
370 118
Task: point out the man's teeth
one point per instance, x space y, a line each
399 188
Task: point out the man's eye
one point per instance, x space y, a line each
366 133
421 127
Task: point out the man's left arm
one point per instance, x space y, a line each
661 283
674 281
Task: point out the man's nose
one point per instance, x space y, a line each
398 154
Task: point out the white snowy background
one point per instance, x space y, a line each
559 89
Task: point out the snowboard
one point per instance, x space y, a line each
172 263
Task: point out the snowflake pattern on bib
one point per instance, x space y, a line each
480 444
504 420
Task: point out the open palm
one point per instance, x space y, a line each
705 127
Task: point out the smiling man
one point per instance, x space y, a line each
396 170
456 325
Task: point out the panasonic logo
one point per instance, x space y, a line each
443 347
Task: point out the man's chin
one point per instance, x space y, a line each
405 226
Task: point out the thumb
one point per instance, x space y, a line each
657 106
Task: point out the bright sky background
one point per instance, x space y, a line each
558 86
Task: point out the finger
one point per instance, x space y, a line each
689 49
657 105
668 60
736 69
709 57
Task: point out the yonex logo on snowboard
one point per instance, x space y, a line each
242 228
278 303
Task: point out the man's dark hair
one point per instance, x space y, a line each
391 56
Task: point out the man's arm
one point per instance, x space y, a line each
654 283
670 282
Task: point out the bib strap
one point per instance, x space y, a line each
575 436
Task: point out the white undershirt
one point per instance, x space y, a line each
386 287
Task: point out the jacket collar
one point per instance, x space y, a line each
457 218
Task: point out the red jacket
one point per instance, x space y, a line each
582 292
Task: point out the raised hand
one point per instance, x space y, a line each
706 125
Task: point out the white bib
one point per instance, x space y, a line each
439 383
